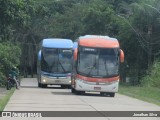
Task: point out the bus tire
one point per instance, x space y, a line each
102 93
64 86
39 85
112 94
80 92
69 86
73 90
43 85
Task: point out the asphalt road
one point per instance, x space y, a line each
31 98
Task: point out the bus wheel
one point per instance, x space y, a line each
73 90
39 84
112 94
69 86
104 93
80 92
43 85
64 86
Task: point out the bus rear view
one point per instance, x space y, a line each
54 62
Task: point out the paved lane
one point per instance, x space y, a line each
53 98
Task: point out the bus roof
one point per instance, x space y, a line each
98 41
57 43
75 44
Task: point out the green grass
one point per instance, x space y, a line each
6 98
148 94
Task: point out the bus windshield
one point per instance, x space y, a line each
56 60
98 62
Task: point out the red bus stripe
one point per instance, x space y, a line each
89 79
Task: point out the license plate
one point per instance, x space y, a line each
97 88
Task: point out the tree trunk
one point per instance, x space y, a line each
149 45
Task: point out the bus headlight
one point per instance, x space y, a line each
44 80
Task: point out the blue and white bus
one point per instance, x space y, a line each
54 62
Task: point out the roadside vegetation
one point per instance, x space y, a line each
149 89
9 57
148 94
4 100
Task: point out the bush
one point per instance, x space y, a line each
9 57
153 78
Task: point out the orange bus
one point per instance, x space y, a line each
96 65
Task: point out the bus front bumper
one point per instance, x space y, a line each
55 80
82 85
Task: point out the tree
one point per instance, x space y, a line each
143 40
9 55
13 13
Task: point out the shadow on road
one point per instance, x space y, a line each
62 93
54 88
85 94
29 87
48 87
94 94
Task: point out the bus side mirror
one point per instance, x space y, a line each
121 56
75 54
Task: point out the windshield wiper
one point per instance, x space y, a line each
92 68
106 67
61 65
